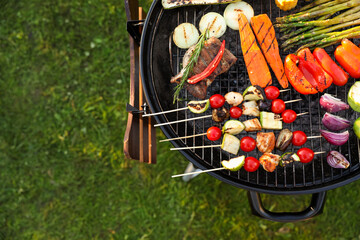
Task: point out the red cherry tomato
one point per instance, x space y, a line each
247 144
251 164
272 92
235 112
299 138
217 101
213 133
288 116
305 154
277 106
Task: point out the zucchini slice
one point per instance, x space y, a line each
233 164
230 144
233 127
268 121
254 93
198 106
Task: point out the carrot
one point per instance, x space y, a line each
255 62
265 34
327 80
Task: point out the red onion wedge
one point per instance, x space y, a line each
332 104
335 123
337 160
337 139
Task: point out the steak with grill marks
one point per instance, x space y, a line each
207 54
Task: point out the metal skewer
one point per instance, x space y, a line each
195 147
284 90
164 112
184 120
170 139
299 114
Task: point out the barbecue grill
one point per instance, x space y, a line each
158 64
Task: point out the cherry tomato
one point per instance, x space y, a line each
305 154
217 101
299 138
251 164
288 116
247 144
235 112
277 106
272 92
213 133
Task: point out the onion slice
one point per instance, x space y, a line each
337 160
232 11
214 22
332 104
337 139
335 123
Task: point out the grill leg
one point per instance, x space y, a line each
190 168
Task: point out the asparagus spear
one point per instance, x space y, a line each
317 34
321 12
313 4
334 37
320 23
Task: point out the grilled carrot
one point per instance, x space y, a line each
255 62
265 34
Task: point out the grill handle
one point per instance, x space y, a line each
316 207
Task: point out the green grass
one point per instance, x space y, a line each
64 80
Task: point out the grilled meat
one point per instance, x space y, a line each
207 54
265 142
252 125
269 161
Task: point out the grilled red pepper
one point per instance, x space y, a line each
351 47
324 82
296 77
312 73
348 61
340 77
210 68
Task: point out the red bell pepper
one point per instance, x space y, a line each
351 47
348 61
312 73
210 68
323 82
296 77
340 77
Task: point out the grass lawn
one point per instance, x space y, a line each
64 71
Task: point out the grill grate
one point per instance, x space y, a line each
294 175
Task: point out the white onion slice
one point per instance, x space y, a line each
185 35
232 10
214 22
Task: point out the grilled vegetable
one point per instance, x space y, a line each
233 164
233 127
284 139
230 144
354 96
269 120
356 127
348 60
332 104
234 98
210 68
185 35
253 93
286 5
232 11
313 73
296 77
350 47
335 123
265 34
251 108
220 114
256 65
214 22
168 4
252 125
213 133
289 157
337 139
323 82
340 77
269 161
265 142
265 105
198 106
337 160
305 154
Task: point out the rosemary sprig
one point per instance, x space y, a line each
192 61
